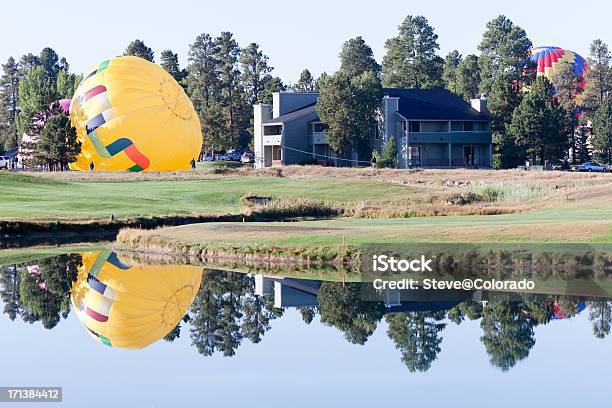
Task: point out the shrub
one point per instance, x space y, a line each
388 158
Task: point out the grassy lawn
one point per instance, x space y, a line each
576 223
29 197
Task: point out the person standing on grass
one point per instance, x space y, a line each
91 166
192 164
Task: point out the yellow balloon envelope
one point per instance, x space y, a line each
134 306
130 114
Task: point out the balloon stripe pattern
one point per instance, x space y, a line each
548 60
131 306
131 114
141 162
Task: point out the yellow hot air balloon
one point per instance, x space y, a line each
130 114
134 306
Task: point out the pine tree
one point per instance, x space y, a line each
254 73
26 63
502 101
468 78
229 74
9 103
49 60
169 61
602 131
449 70
348 106
139 49
36 92
411 60
566 87
504 49
203 71
599 77
356 57
271 85
537 124
58 144
306 83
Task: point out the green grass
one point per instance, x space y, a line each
27 197
592 223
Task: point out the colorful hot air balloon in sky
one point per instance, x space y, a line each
548 60
133 306
130 114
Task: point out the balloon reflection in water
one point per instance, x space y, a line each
132 306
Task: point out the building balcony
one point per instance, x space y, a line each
272 140
450 137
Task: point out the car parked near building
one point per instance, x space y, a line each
247 157
233 155
592 167
5 162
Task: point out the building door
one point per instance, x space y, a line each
471 155
414 156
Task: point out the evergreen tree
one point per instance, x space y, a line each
27 62
600 313
255 70
203 72
417 336
66 84
9 103
566 87
230 92
599 77
356 57
411 60
537 124
306 83
501 102
36 92
602 131
47 293
468 78
58 144
507 333
9 290
341 306
348 106
449 70
49 60
271 85
308 314
139 49
504 49
169 61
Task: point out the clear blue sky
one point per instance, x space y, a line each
294 34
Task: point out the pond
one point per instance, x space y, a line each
115 332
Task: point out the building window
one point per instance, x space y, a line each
376 133
275 130
414 126
434 126
468 126
456 126
320 127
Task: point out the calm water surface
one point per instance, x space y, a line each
119 334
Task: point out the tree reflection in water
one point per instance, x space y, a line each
229 308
